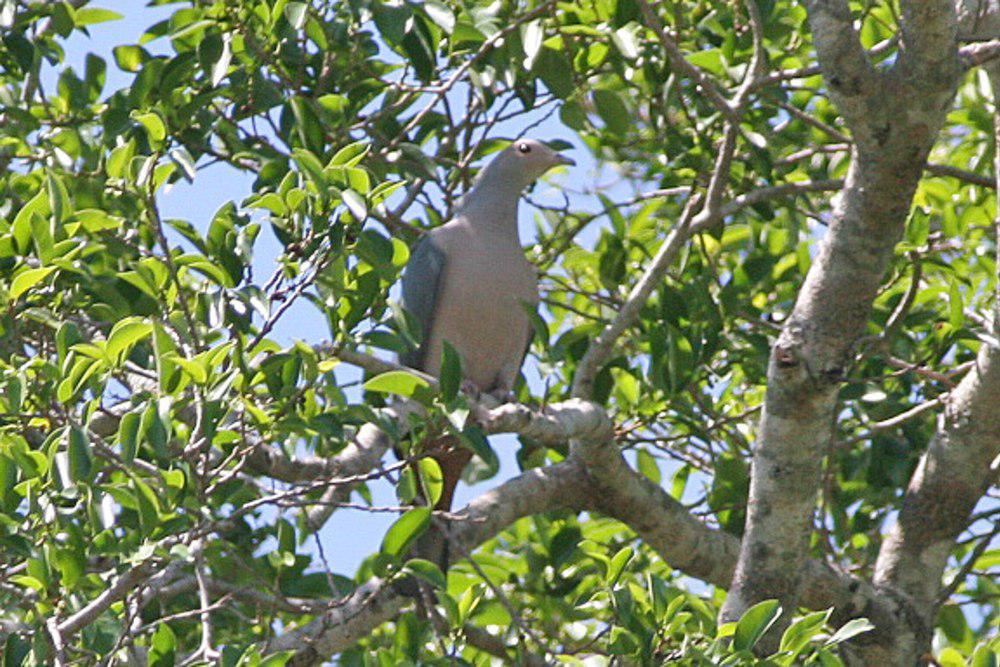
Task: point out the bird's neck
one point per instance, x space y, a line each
493 205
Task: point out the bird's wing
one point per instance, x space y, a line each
421 286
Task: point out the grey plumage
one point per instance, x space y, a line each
420 287
468 281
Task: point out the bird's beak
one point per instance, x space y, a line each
563 159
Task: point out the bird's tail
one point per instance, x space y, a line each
452 458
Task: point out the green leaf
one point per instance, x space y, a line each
709 60
90 15
418 47
617 565
350 155
612 111
272 202
647 466
431 480
441 14
311 167
984 656
554 70
155 129
355 204
27 581
78 448
183 158
400 383
405 530
532 35
277 659
850 629
450 378
163 647
96 220
27 279
426 570
130 57
149 504
754 623
406 488
473 438
626 41
119 159
22 227
956 315
128 435
295 13
333 103
124 335
221 66
194 369
59 199
573 116
72 564
375 249
801 632
679 482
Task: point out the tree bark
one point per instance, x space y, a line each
894 117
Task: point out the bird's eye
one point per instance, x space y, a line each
524 148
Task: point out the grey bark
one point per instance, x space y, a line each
894 117
957 469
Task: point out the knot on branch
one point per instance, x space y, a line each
784 356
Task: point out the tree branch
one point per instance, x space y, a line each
122 586
929 36
746 199
979 53
601 347
532 492
680 64
952 476
595 480
844 63
810 356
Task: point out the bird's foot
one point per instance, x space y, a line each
470 389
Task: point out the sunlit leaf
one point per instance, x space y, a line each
406 530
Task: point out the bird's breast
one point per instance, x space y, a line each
482 309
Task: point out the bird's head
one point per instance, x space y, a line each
524 161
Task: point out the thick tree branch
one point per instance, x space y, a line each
844 63
595 480
810 356
930 33
952 476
